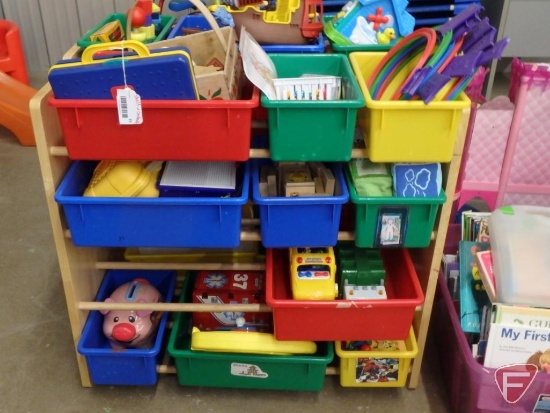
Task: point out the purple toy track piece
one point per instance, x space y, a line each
480 30
462 22
415 81
486 42
432 86
494 52
464 65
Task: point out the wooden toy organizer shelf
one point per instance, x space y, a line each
82 268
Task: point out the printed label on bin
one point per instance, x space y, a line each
248 370
129 107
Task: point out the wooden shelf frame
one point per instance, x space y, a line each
82 268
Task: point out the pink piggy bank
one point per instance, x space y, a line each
126 328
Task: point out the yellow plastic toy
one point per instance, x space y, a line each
243 341
313 273
124 179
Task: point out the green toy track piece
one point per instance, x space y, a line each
335 35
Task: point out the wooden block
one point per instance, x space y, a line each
319 188
316 167
296 180
329 182
300 189
263 189
272 185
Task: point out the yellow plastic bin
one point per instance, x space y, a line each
385 365
401 130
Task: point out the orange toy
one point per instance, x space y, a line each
15 92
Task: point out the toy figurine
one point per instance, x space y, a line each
128 328
142 17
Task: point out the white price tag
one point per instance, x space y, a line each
129 107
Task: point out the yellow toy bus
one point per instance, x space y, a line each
313 273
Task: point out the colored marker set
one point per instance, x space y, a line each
308 88
437 63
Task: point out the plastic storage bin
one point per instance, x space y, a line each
166 23
309 221
199 23
245 371
148 222
313 130
390 367
131 366
414 219
471 386
333 320
202 130
405 131
519 236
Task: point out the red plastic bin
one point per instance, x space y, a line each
332 320
202 130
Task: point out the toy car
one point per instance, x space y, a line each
313 273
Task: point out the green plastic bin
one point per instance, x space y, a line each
244 371
166 23
414 219
313 130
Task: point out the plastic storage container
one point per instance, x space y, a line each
148 222
245 371
520 235
313 130
413 219
199 23
333 320
166 23
471 386
378 367
132 366
202 130
405 131
308 221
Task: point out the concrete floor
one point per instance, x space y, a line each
38 371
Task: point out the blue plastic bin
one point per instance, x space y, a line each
149 222
198 22
135 367
311 221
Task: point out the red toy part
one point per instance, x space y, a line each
15 92
312 19
141 13
12 59
230 287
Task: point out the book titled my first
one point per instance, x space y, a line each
532 335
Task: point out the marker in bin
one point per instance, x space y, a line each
308 88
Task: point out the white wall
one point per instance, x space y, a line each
50 27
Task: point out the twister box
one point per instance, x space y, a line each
230 287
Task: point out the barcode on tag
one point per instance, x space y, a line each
129 107
123 107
